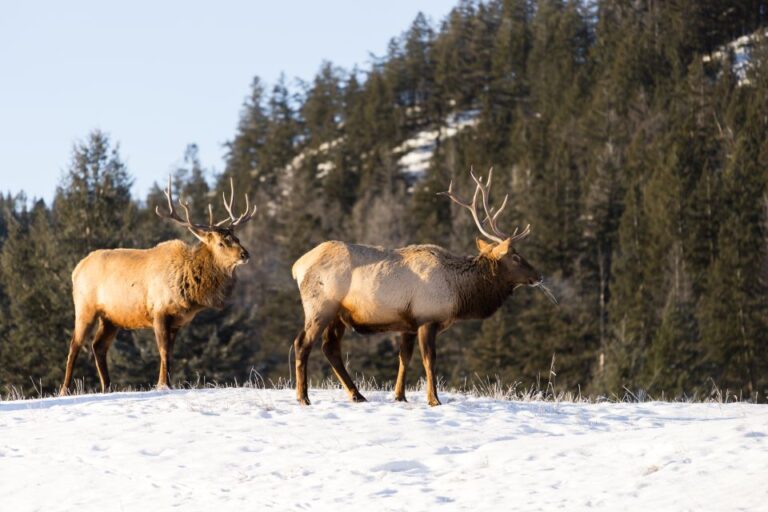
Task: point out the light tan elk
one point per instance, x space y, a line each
162 288
419 291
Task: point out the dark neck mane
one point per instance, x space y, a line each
203 282
479 287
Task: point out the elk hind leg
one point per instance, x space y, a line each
427 334
407 340
84 320
332 350
102 340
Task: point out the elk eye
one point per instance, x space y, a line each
221 244
516 258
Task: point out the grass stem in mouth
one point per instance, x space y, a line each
546 291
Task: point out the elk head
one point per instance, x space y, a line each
219 237
512 266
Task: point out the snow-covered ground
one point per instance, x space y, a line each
250 449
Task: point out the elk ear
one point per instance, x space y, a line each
502 249
483 246
200 235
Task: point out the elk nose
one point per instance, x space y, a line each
244 255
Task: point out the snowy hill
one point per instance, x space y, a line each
250 449
740 50
415 153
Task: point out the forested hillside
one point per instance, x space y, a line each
627 134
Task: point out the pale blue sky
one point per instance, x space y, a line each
156 75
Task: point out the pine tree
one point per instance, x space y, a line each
242 158
733 310
36 276
93 206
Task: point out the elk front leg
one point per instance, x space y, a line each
332 350
407 340
427 334
164 338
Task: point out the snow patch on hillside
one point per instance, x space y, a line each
323 168
251 449
415 153
323 148
741 49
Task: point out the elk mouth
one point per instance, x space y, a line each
238 263
546 291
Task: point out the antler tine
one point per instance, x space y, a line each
247 208
516 237
247 215
453 196
185 205
495 215
228 206
167 193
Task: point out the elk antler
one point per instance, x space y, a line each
211 226
243 217
484 190
175 216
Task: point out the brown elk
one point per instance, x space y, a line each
419 291
162 288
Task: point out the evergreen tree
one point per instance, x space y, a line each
92 207
36 275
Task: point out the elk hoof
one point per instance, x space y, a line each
304 401
433 402
400 398
63 392
358 398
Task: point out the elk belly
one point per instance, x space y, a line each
365 316
124 304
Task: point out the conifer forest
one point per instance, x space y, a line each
631 135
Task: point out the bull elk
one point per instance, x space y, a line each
418 291
162 288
